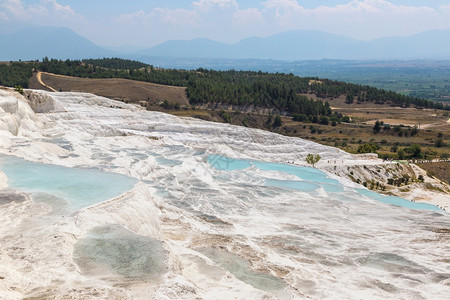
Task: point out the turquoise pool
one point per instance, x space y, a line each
312 179
79 187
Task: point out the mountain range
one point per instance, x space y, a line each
53 42
63 43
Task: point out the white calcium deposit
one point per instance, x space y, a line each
189 231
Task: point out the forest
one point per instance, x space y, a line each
279 91
15 74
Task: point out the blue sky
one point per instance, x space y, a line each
149 22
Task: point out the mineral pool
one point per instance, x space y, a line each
78 187
310 180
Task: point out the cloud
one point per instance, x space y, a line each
445 8
59 8
248 16
44 12
225 20
282 5
204 18
364 19
229 20
372 7
160 16
207 5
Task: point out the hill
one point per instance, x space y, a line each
281 93
310 45
132 91
62 43
57 42
196 48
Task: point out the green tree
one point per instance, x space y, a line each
349 99
401 154
312 159
18 89
377 127
439 143
277 121
414 151
368 148
324 120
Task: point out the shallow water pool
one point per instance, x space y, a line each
79 187
311 180
114 249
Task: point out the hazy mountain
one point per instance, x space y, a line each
124 49
311 44
433 44
291 45
295 45
54 42
197 48
62 43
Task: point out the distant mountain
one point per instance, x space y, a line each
433 44
296 45
54 42
310 45
62 43
197 48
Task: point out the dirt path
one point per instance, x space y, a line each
39 79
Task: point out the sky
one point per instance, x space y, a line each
145 23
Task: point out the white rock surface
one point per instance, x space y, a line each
320 247
42 103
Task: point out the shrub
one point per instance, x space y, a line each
368 148
167 105
377 127
439 143
300 118
277 121
324 120
312 159
401 154
18 89
225 116
414 151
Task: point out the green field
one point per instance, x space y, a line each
429 83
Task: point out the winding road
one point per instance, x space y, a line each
39 79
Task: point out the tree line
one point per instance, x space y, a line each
15 74
286 93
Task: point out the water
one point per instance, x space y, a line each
79 187
397 201
240 268
112 248
311 180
